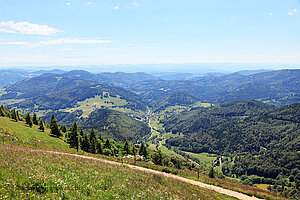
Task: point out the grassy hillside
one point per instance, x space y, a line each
28 174
35 175
77 178
18 133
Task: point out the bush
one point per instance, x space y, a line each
172 171
211 173
107 152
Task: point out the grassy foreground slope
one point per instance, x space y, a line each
19 133
26 174
30 174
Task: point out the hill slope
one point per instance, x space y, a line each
110 123
78 178
269 136
275 87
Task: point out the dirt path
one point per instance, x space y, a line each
200 184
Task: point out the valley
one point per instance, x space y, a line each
234 124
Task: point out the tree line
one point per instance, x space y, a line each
93 142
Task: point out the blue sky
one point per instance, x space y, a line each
101 32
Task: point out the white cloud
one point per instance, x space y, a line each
136 4
116 7
271 13
67 41
292 12
89 3
68 3
27 28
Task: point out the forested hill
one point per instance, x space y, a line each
54 92
116 125
270 137
202 119
68 97
236 127
278 88
109 123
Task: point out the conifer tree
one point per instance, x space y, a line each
99 148
143 150
93 141
100 138
127 147
80 137
85 144
2 111
28 120
63 128
211 173
14 115
133 151
73 139
42 126
18 115
54 127
107 144
35 119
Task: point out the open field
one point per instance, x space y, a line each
107 101
10 101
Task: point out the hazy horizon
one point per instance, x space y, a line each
164 67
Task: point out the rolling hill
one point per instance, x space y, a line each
264 139
109 123
274 87
38 156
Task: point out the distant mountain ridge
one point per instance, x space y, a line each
142 90
278 88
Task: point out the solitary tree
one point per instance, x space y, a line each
54 127
35 119
73 139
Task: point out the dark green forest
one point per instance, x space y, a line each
259 140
